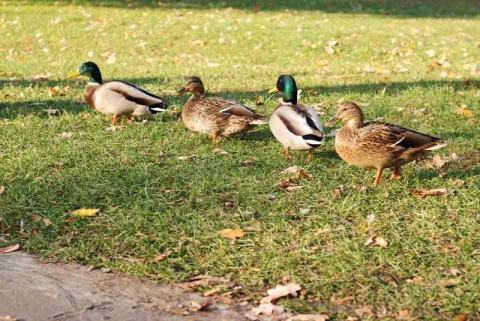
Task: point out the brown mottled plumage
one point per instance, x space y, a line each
376 144
215 115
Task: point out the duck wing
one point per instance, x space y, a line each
393 135
133 93
301 120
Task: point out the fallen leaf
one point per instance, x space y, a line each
53 91
376 241
114 128
268 309
289 186
259 101
65 135
46 221
52 112
461 317
8 318
431 192
365 311
309 317
2 189
202 306
303 174
105 270
10 248
291 170
86 212
247 162
403 315
280 291
232 234
450 282
220 151
161 256
463 111
370 218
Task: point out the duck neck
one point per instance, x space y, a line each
355 123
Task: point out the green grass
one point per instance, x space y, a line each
152 202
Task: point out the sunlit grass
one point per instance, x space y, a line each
412 71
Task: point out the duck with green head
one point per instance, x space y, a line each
215 116
294 125
117 98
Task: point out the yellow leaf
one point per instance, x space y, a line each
232 234
463 111
86 212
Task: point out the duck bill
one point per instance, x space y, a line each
332 122
273 90
180 92
74 74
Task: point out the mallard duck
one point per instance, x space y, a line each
378 145
117 98
294 125
215 115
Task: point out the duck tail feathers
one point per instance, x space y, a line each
438 145
156 108
313 140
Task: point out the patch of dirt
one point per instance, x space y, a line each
32 290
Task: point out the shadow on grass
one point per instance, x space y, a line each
398 8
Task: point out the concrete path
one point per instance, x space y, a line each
34 291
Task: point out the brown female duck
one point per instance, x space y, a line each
377 145
117 98
215 115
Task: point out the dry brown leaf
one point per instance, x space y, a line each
114 128
220 151
10 248
232 234
365 311
403 315
46 221
65 135
53 91
105 270
2 189
202 306
431 192
280 291
463 111
291 170
268 309
303 174
161 256
376 241
461 317
259 101
86 212
247 162
309 317
450 282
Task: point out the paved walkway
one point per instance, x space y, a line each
34 291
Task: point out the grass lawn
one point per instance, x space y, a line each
407 62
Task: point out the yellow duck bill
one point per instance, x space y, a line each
74 74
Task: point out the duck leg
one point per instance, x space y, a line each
129 119
379 175
115 119
396 173
287 154
310 155
214 137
